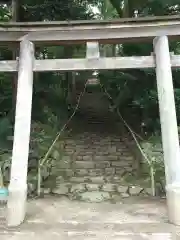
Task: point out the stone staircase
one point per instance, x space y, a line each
93 164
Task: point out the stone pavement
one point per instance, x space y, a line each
60 218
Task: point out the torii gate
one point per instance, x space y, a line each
29 34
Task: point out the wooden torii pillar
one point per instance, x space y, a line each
170 138
16 208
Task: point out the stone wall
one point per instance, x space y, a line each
93 167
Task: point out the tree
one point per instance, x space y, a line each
134 92
53 91
122 84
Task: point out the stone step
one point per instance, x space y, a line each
93 176
94 180
107 173
94 192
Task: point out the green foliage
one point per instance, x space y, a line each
146 7
50 107
55 10
131 99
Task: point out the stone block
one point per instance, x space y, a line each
120 171
102 164
93 187
95 196
77 188
121 147
126 158
112 149
127 154
61 189
128 168
46 190
79 179
112 158
66 158
84 164
87 158
55 171
117 179
118 154
80 148
69 152
125 195
79 142
60 179
135 190
122 189
99 179
95 172
63 165
69 148
103 153
80 153
69 173
70 142
109 171
108 187
119 163
116 198
89 153
108 179
81 172
64 162
99 158
66 173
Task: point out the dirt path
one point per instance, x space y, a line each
135 219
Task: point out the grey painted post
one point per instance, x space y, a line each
169 128
16 209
